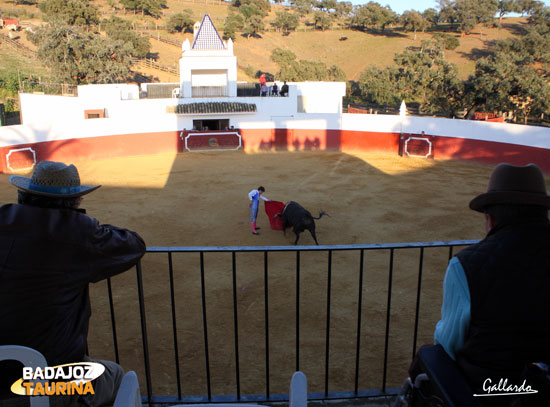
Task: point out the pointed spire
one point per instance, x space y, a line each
207 36
403 109
230 45
186 45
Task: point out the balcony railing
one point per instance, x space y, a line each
325 309
209 91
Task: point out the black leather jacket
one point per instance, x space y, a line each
47 259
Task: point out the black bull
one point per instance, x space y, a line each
300 219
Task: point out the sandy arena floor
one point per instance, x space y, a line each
200 199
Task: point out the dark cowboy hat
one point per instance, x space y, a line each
511 184
53 179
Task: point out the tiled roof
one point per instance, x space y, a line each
212 107
207 36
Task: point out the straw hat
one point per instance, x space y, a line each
510 184
53 179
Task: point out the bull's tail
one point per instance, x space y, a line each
321 214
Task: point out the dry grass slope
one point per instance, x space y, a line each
353 55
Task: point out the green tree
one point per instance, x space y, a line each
150 7
313 71
73 12
472 12
10 83
119 29
503 82
286 21
529 7
373 15
249 10
233 23
322 20
326 5
532 47
413 21
253 26
506 7
377 86
336 74
302 7
282 56
419 75
76 57
446 41
304 70
431 15
262 5
447 11
540 19
343 13
468 13
426 77
181 21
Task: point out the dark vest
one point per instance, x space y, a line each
509 280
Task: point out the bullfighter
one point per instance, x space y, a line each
255 195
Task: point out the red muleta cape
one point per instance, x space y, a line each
272 208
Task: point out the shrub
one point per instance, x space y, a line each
446 40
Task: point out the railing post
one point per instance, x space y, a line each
174 327
141 299
113 322
205 328
266 304
359 314
388 313
418 291
297 311
236 325
327 339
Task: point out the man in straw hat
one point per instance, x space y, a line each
496 303
50 250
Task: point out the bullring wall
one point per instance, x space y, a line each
484 142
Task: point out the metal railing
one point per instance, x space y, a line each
334 294
209 91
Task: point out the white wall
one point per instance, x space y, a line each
114 91
192 65
533 136
321 97
47 117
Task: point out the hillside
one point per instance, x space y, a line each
353 55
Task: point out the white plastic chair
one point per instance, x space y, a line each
298 390
29 358
128 393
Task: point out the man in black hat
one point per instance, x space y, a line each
496 304
50 250
496 307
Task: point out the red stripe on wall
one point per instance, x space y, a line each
101 147
286 139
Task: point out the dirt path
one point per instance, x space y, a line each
200 199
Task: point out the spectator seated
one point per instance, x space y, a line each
442 383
